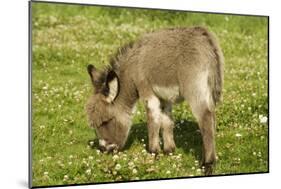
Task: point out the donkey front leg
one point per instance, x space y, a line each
159 115
153 124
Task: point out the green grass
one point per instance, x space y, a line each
66 38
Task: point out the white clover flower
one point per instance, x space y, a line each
65 177
198 170
46 173
168 172
263 119
91 157
88 171
84 161
135 171
131 164
115 157
238 135
92 143
45 87
193 168
118 166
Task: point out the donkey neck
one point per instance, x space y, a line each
128 94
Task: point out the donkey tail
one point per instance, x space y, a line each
216 72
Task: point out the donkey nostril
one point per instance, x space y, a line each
102 148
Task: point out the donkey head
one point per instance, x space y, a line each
104 115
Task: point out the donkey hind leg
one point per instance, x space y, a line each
207 128
167 128
205 115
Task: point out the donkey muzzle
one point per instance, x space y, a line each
104 146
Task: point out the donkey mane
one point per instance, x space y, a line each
114 60
114 63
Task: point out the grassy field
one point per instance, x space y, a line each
66 38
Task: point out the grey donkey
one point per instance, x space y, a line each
160 68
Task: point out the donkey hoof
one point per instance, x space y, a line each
154 150
169 150
208 169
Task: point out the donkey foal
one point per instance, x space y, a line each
161 68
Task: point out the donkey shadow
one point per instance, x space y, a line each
186 135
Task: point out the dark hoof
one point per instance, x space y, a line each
155 150
168 151
208 169
169 147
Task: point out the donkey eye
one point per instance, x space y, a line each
104 123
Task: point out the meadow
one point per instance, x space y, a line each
66 38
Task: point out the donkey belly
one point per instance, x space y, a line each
170 94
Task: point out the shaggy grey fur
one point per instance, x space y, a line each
160 68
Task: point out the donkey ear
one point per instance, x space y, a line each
92 71
112 84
